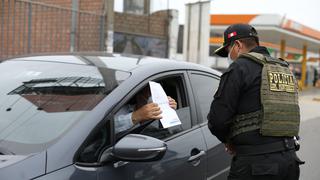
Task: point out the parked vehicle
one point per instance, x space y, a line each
57 119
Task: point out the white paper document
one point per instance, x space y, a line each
169 115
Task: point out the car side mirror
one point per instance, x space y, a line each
140 148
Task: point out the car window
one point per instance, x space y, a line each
204 95
174 87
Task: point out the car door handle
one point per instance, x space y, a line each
196 156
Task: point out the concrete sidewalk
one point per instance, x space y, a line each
309 101
309 133
310 91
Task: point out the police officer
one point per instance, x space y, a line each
255 110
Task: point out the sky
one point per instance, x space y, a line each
306 12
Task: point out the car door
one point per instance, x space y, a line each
218 161
185 155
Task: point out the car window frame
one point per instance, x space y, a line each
162 75
200 120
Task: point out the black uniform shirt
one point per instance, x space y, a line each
238 93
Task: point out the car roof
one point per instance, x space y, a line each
122 62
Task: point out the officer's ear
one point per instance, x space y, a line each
238 43
242 46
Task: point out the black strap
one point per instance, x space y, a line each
285 145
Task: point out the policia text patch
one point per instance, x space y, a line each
281 82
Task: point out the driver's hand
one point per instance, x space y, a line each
146 112
172 103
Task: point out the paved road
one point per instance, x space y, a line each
310 134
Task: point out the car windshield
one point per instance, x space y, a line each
40 101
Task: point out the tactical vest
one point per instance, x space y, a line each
280 113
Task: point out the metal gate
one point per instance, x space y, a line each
28 27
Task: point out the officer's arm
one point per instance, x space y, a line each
224 105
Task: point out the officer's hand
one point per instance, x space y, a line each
172 103
229 149
146 112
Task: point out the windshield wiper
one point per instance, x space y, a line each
5 151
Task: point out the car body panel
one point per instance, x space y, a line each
218 162
13 167
174 164
71 172
58 161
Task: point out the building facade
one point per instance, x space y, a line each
45 26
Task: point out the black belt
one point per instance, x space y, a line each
284 145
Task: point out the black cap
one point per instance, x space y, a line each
234 32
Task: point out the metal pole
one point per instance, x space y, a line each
55 30
51 30
24 29
81 20
19 28
8 29
61 47
41 17
304 66
75 8
102 37
1 26
29 27
282 48
109 11
47 36
13 28
34 29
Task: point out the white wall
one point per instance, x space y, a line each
197 33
